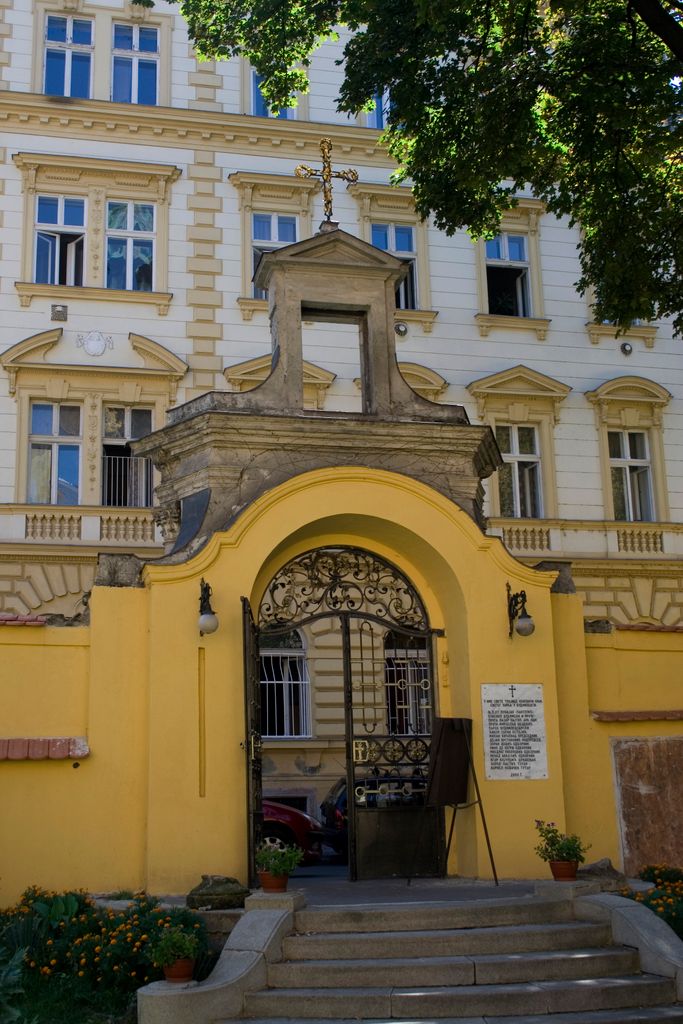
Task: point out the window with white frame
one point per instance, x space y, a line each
126 479
519 478
270 231
68 56
285 688
135 64
399 240
630 471
59 240
259 106
130 242
54 454
507 275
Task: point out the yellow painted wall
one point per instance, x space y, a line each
161 799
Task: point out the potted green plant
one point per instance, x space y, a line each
563 851
274 864
175 950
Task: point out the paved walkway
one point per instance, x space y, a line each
329 886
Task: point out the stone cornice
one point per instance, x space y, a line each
121 123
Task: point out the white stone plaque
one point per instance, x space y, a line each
514 731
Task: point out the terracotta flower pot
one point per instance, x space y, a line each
273 883
564 870
179 971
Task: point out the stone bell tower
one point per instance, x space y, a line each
220 451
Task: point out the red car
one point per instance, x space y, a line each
286 826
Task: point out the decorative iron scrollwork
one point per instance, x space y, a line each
335 580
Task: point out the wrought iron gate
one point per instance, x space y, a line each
388 683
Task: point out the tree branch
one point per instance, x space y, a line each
663 24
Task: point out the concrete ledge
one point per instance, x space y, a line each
553 890
660 949
242 967
291 900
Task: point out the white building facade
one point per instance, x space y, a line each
137 188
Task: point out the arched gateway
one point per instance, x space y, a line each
385 676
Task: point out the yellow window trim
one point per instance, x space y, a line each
103 18
32 377
396 205
632 403
97 181
522 219
269 193
522 396
639 332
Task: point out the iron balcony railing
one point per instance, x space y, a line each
126 482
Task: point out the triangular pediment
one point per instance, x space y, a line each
519 381
331 248
253 372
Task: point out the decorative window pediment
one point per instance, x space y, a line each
629 413
39 380
426 382
630 401
248 375
521 403
518 387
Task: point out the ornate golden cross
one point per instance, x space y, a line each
327 174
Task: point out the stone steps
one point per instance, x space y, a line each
421 917
505 962
518 938
456 970
543 997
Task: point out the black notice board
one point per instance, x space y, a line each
449 762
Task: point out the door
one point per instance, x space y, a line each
387 680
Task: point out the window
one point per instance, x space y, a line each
259 107
519 478
630 474
270 231
377 118
126 480
135 66
407 686
54 454
507 275
59 240
629 418
285 688
107 230
130 246
399 239
522 407
68 56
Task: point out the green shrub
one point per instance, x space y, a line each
100 955
660 873
11 988
173 944
278 860
666 899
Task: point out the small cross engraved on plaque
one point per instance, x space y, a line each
326 174
512 690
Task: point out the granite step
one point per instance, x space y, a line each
466 1001
633 1015
551 965
424 917
520 938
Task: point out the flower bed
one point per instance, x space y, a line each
666 899
99 955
